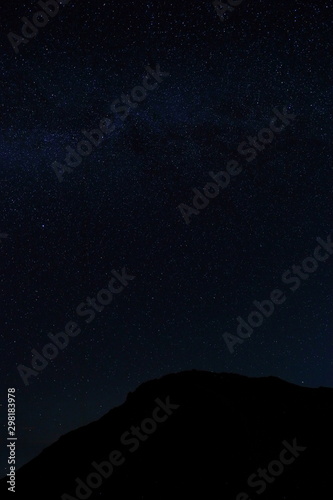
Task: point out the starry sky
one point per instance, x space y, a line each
120 207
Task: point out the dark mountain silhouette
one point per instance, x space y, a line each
225 428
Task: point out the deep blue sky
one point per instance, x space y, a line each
119 207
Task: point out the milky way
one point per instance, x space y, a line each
119 207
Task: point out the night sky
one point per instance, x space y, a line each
120 207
